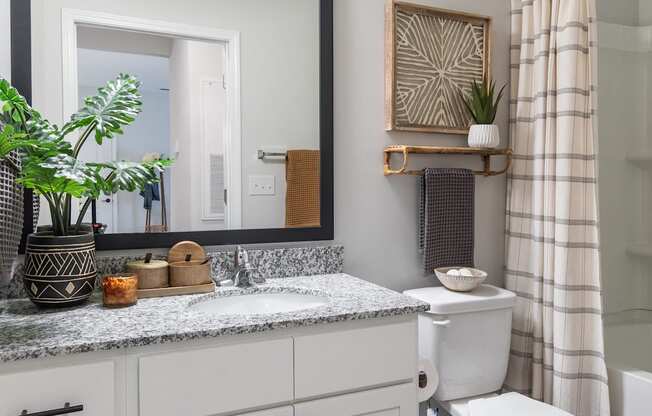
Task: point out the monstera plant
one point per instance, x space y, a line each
60 262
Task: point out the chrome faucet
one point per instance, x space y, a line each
242 273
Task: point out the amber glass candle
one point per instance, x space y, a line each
120 290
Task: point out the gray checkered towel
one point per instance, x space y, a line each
446 217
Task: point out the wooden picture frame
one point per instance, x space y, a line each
418 96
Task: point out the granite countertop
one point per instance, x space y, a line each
27 332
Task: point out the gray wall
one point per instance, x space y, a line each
375 216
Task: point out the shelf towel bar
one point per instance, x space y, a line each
485 154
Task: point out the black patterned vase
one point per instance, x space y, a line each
59 271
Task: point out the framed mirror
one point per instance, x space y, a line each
239 93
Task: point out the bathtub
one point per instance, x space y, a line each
629 361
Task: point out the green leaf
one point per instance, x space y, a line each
9 140
115 105
41 129
13 106
43 181
67 167
32 135
130 176
467 103
497 102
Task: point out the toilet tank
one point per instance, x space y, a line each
467 337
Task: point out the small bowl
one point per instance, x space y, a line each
460 283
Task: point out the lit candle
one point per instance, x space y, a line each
120 290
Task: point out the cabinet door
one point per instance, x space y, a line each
281 411
90 385
352 360
210 381
390 401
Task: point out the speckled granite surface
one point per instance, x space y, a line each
27 332
269 263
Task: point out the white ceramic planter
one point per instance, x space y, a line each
484 135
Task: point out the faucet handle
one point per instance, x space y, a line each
244 254
243 270
237 256
242 258
245 260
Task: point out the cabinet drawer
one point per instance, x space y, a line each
349 360
390 401
90 385
216 380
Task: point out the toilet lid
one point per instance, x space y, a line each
446 302
512 404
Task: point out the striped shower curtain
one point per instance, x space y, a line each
552 244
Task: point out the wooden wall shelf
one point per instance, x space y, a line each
406 151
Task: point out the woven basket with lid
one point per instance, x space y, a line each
188 265
152 274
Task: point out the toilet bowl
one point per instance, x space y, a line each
466 335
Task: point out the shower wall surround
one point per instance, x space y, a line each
624 103
268 262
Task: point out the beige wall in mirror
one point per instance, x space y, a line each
230 91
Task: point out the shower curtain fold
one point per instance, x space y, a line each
552 236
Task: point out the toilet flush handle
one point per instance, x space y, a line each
445 323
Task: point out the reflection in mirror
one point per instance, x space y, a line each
230 92
196 70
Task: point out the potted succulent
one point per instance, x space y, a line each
483 108
60 261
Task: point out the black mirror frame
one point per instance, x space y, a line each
21 75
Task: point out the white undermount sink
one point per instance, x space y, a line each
259 303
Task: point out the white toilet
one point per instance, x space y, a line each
467 338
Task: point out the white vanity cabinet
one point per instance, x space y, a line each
364 367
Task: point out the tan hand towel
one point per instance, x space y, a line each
302 173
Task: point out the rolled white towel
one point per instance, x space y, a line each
466 272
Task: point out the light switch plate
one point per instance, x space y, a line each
262 185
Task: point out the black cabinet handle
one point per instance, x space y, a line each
66 409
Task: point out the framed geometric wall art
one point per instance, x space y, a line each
432 58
